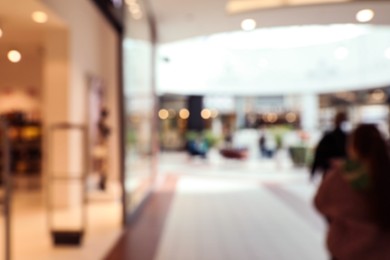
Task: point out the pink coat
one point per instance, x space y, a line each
353 233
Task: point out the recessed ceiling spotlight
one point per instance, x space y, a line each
248 24
341 53
365 15
14 56
39 17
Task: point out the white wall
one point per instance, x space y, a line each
90 49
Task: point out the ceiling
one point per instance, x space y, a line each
182 19
202 48
18 26
283 60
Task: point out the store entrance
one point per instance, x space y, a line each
21 90
43 62
25 58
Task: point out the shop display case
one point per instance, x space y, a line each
25 139
66 184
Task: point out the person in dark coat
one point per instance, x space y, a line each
354 197
331 146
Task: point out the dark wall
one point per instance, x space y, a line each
114 14
195 106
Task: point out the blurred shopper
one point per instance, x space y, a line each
228 137
331 146
355 197
262 148
198 146
267 143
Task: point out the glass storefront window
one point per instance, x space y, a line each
139 98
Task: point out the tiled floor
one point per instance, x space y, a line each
31 236
224 209
214 209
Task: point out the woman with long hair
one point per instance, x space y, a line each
355 199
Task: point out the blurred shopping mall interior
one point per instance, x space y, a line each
131 129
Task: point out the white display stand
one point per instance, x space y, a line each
67 182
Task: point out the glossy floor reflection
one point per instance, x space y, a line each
30 232
225 209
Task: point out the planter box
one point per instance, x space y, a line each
299 155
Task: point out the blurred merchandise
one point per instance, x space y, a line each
26 144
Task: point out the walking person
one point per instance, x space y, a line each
331 146
354 197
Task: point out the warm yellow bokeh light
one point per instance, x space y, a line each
184 113
291 117
365 15
163 114
14 56
248 25
272 117
39 17
206 113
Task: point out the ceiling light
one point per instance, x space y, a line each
341 53
365 15
39 17
387 53
14 56
1 33
248 24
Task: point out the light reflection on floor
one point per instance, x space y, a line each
225 209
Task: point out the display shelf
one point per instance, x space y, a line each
26 145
